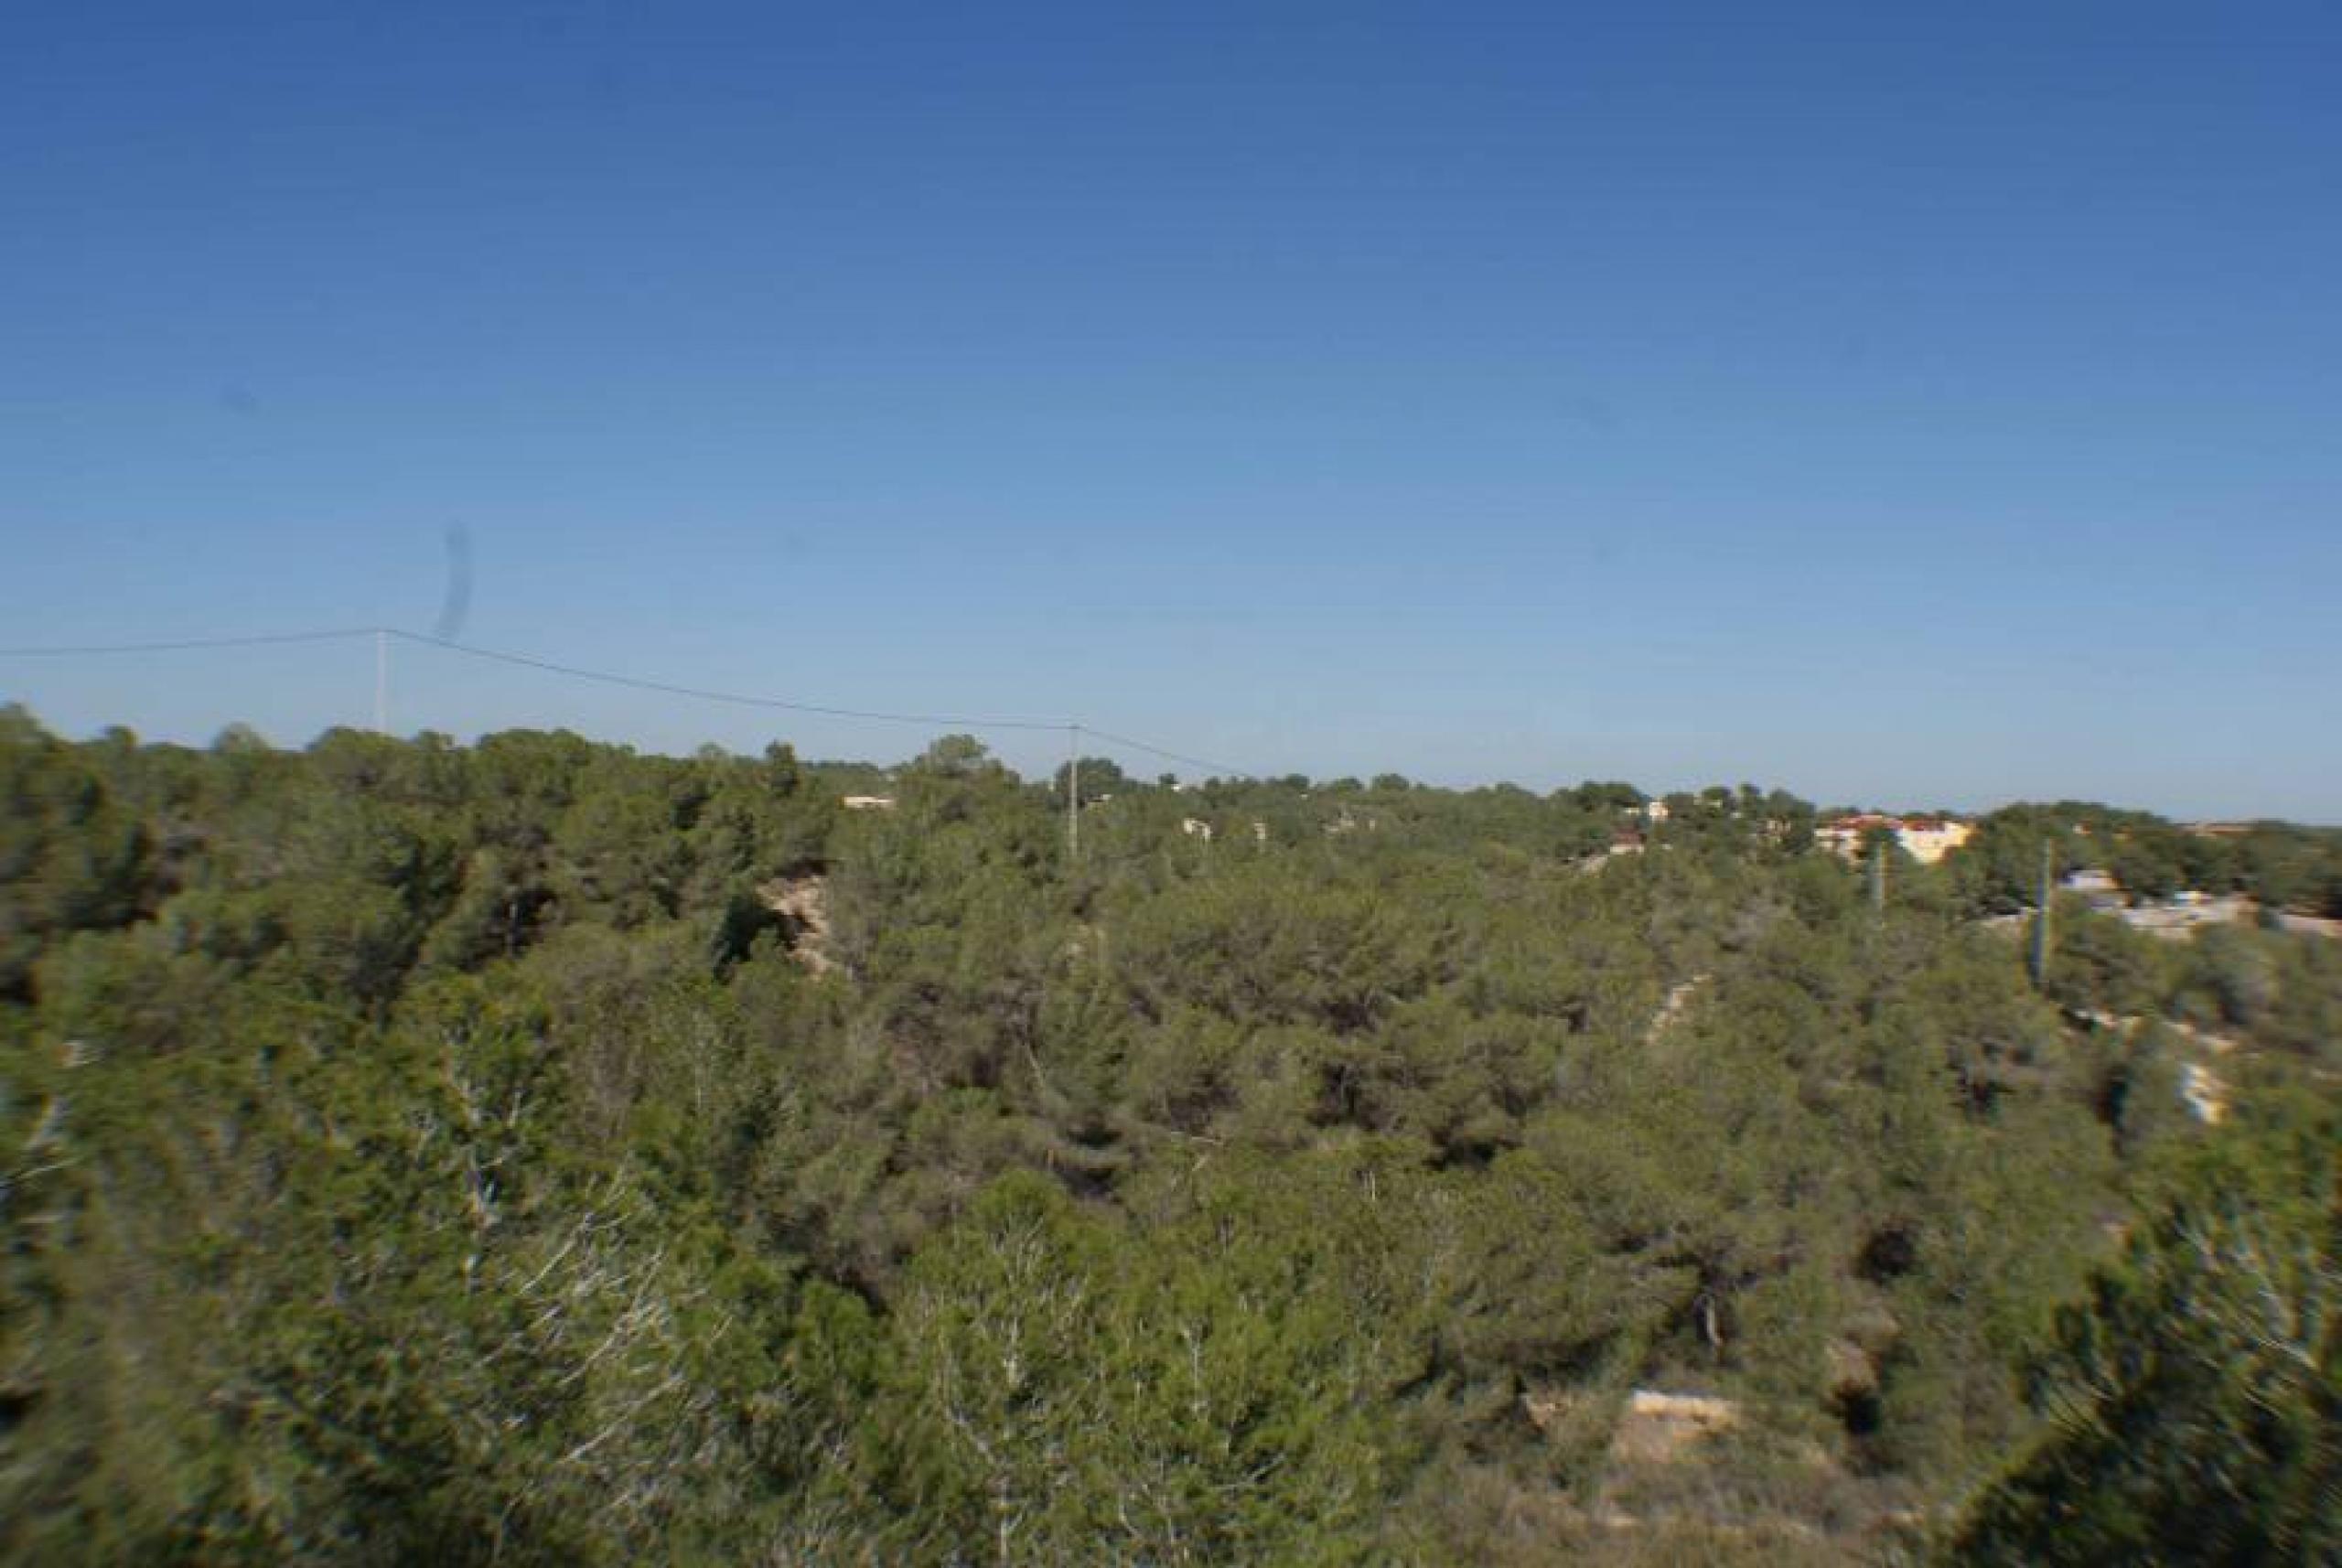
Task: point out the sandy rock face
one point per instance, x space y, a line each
802 903
1661 1428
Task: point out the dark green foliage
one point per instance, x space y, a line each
72 858
2195 1394
538 1152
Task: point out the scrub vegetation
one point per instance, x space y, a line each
538 1152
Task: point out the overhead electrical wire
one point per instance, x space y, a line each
611 677
1205 763
703 694
188 644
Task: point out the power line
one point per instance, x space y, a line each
611 677
1205 763
703 693
188 645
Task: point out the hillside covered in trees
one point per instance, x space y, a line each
537 1152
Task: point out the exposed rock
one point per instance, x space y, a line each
2207 1096
1661 1428
1678 1002
802 904
1848 1370
1545 1408
2219 1045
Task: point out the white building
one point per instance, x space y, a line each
1925 839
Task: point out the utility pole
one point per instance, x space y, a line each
382 682
1072 793
2041 920
1878 874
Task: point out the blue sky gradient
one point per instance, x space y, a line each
1903 405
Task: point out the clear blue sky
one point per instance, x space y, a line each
1900 404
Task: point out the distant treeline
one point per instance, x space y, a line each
539 1152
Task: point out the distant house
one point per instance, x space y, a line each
1843 837
1928 839
1925 839
2096 888
868 802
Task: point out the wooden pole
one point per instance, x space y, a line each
1072 793
2041 920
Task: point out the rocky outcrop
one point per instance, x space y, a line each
802 904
